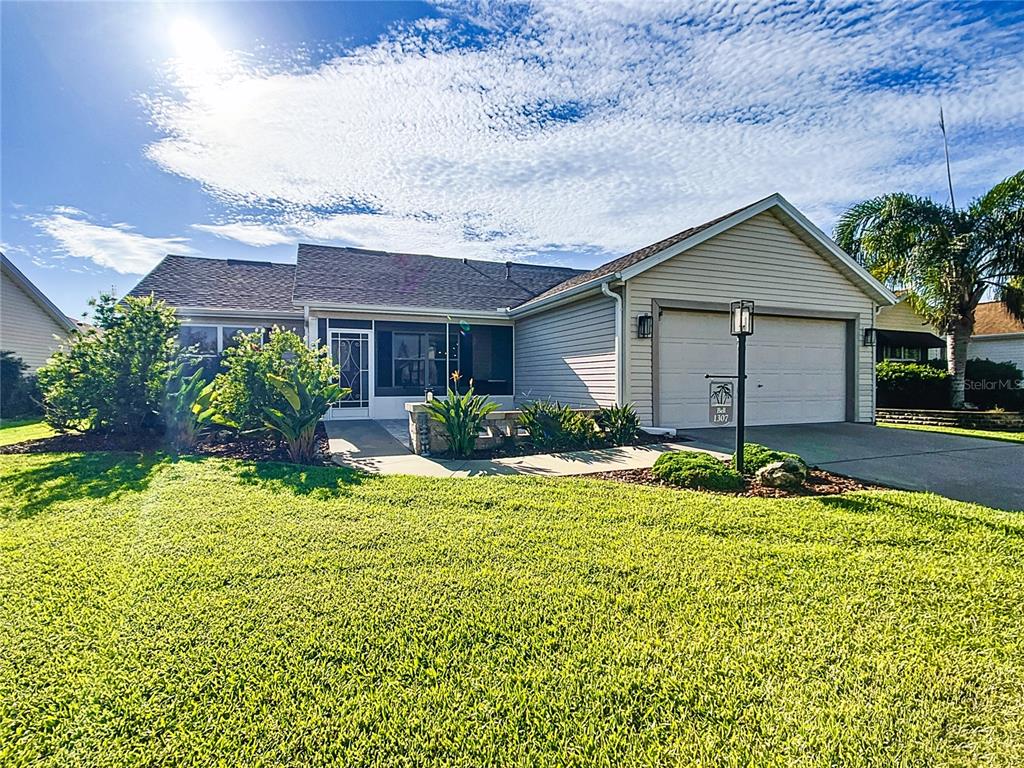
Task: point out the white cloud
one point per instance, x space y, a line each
117 246
596 127
249 233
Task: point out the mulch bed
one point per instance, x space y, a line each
820 483
224 444
523 447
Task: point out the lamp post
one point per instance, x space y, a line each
741 325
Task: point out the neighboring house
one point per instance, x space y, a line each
998 336
645 328
31 326
904 336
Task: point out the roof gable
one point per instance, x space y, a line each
639 261
16 276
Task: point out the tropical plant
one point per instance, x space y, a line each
305 403
242 391
553 426
113 376
947 259
619 423
461 415
180 412
912 385
691 469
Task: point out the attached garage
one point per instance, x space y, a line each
797 368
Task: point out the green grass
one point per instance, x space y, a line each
209 612
988 434
20 430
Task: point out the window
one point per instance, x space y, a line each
419 360
901 354
202 337
229 334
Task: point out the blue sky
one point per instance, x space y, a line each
547 132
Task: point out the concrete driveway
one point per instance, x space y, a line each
983 471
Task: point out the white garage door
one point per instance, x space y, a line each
796 368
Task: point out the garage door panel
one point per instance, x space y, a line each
796 368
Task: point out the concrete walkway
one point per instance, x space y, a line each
368 446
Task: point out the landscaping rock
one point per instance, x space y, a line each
787 473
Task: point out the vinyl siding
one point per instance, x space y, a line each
999 350
760 259
26 329
900 317
568 354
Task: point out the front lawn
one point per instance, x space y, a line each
988 434
20 430
211 612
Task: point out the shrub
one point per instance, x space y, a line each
619 423
462 416
19 394
912 385
181 411
242 392
305 403
556 427
994 385
114 376
689 469
756 456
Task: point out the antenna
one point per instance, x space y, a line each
945 146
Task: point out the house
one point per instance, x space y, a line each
645 328
998 336
31 326
904 336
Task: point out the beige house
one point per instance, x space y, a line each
903 335
31 326
646 328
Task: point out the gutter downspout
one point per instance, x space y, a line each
305 319
618 340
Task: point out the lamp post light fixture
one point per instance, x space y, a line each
741 320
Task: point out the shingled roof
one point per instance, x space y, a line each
992 318
354 276
190 281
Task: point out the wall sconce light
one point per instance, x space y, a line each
644 326
869 337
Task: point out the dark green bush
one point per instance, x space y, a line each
989 384
912 385
19 394
757 456
556 427
114 376
619 423
689 469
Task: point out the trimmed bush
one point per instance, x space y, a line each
113 377
619 423
757 456
689 469
912 385
989 384
556 427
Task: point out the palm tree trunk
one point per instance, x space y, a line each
956 351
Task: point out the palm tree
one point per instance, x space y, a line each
947 260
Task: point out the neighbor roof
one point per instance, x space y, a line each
191 281
992 317
327 275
